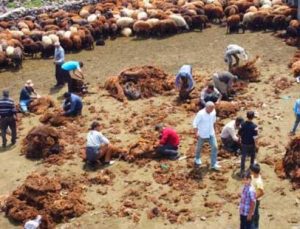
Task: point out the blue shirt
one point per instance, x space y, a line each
248 196
76 104
185 71
71 65
25 94
297 107
248 132
59 55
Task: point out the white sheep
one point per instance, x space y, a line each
46 40
92 18
248 17
67 34
16 34
179 21
125 12
153 21
124 22
126 32
54 38
10 51
142 16
22 24
73 29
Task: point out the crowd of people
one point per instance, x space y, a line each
238 136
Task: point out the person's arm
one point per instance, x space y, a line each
232 133
259 193
191 82
252 205
202 96
72 108
195 125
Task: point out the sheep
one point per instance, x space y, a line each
124 22
3 59
31 47
16 58
248 18
293 29
142 16
199 22
126 32
280 22
234 23
77 42
141 28
231 10
66 43
168 27
125 12
268 22
91 18
54 38
213 12
46 40
9 51
88 42
179 21
251 9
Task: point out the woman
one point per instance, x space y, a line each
95 146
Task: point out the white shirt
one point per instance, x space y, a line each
204 122
257 184
229 130
235 49
96 139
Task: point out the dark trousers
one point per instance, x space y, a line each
297 121
230 145
245 224
59 74
210 98
247 150
167 151
255 221
11 123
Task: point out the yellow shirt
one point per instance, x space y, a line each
257 184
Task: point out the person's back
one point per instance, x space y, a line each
248 132
169 137
71 65
76 100
7 107
25 94
228 129
95 139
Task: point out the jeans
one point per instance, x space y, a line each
255 221
59 74
168 151
230 145
11 123
24 105
297 121
245 224
250 151
214 149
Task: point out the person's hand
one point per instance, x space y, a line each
249 217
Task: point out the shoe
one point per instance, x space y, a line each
109 163
198 161
216 167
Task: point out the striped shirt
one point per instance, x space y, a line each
7 107
248 196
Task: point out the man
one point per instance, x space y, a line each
210 94
168 143
247 203
8 118
248 133
297 115
75 68
59 58
223 81
234 50
258 184
27 95
184 82
229 136
72 104
96 141
203 125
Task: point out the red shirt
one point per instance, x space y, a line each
169 137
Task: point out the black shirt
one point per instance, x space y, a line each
247 132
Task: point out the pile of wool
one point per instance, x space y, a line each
139 82
41 142
54 198
41 105
247 71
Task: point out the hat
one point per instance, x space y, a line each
29 83
5 93
57 43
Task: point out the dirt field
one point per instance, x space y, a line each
280 206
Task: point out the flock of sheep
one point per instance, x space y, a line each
33 35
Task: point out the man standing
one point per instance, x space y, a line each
8 118
72 104
229 136
223 81
247 202
75 68
258 184
168 143
234 50
210 94
184 82
297 115
59 58
204 131
248 134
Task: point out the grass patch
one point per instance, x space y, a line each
33 3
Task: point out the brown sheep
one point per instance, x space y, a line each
141 28
293 29
31 47
3 59
66 43
51 27
168 27
17 58
280 22
268 22
15 43
234 23
231 10
214 12
244 5
199 22
77 43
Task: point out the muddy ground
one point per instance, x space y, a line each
280 206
